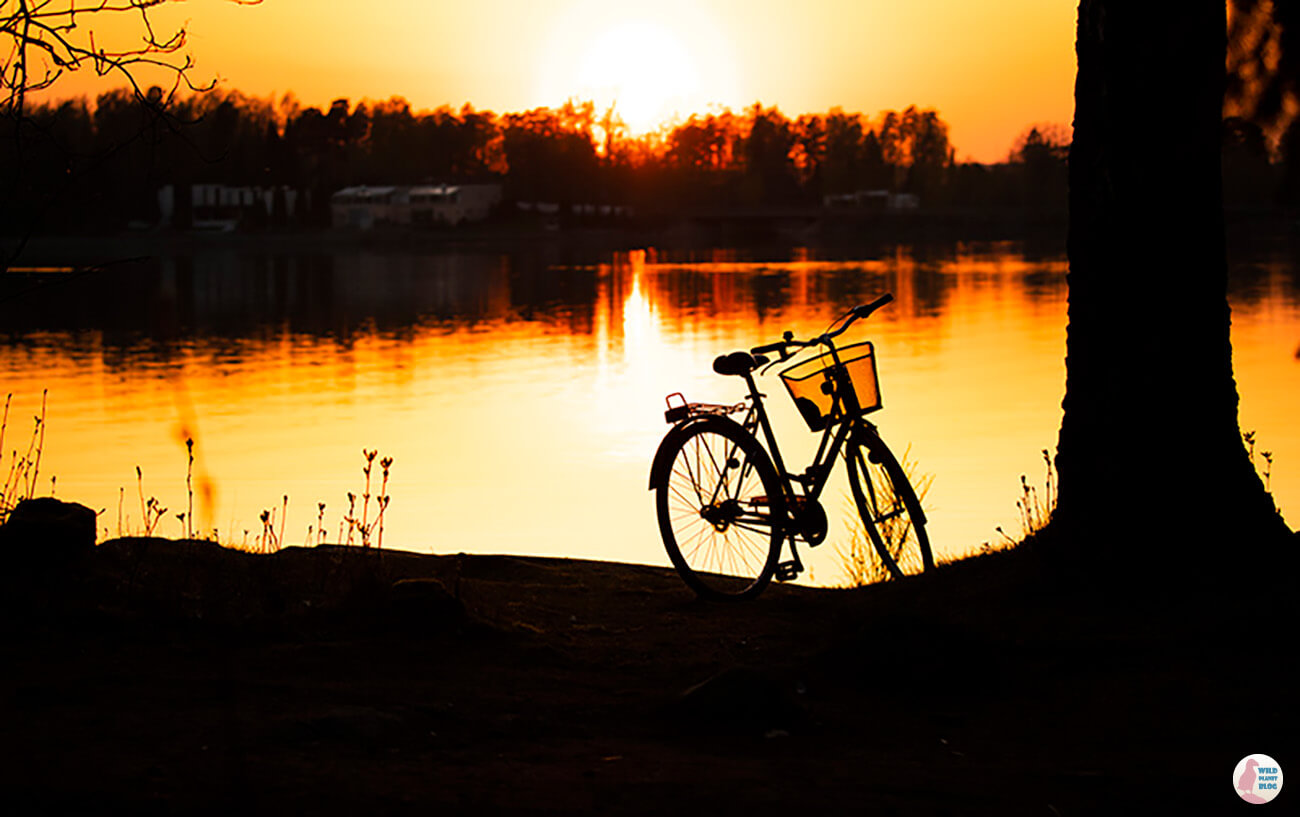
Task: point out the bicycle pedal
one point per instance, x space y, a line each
785 571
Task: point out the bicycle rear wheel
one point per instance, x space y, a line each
887 504
720 509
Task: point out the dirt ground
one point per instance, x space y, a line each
179 677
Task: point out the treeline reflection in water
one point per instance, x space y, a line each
520 394
339 295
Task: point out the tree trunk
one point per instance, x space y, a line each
1153 473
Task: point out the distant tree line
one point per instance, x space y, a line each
85 167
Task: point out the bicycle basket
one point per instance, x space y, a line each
807 382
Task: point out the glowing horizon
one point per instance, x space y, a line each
989 72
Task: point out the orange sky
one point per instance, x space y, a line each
990 69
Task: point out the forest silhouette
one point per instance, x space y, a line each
75 166
79 166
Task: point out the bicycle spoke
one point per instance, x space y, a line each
684 498
894 514
753 528
753 552
744 552
696 478
696 541
722 474
731 555
689 475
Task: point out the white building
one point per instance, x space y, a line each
220 206
363 207
360 208
873 200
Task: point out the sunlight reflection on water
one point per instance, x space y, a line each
522 398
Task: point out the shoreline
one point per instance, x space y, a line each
185 677
832 232
813 228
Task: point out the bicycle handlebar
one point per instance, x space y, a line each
856 313
779 346
866 309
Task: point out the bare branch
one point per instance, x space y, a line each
47 40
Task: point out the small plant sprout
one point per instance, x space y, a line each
40 445
365 496
189 487
24 471
383 506
352 522
1034 508
284 516
153 513
139 486
386 463
366 528
1265 471
320 522
267 542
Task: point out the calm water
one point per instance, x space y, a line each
521 398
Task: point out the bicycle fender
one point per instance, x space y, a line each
663 461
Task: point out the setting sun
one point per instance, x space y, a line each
653 65
643 72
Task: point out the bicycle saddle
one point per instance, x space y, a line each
738 363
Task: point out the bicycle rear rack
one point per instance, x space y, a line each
680 410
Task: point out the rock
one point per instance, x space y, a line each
47 532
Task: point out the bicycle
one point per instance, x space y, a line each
726 505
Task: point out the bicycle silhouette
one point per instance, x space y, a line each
726 506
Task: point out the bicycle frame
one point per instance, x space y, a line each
815 476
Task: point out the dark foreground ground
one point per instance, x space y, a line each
178 677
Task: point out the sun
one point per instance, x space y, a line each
659 65
644 71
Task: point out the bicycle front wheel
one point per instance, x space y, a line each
887 504
720 510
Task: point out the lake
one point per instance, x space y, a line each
521 395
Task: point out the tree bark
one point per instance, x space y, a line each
1153 473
